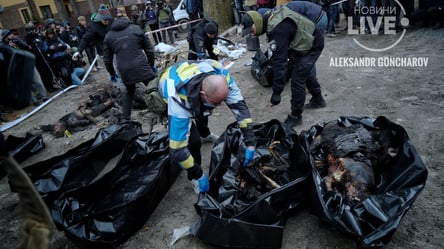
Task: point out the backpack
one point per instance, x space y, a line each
153 100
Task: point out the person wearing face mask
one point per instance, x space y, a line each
192 90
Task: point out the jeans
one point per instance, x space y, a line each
332 12
365 7
77 72
322 23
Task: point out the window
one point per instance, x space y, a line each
46 11
25 15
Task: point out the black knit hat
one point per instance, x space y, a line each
210 28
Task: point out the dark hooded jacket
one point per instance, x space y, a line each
134 52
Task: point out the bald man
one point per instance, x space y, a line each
192 90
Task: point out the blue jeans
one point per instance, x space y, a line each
322 23
367 4
332 12
77 72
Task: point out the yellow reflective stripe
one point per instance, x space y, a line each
184 97
244 123
228 78
187 163
186 71
165 74
216 64
178 144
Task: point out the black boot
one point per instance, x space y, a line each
317 101
292 121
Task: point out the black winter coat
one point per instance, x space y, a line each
95 32
134 52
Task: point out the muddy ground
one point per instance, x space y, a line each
410 96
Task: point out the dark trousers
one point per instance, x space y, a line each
91 54
303 77
349 10
156 35
127 101
194 144
202 126
409 6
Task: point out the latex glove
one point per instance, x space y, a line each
201 185
249 154
202 55
113 78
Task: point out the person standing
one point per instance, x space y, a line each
152 17
138 17
291 35
134 56
96 30
194 9
332 8
90 48
201 39
166 19
192 91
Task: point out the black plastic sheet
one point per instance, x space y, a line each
21 148
399 179
107 212
230 221
80 166
101 192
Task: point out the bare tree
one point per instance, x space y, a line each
220 11
92 7
75 7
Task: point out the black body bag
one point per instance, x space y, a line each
366 175
247 206
101 192
80 166
111 209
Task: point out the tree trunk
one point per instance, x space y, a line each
92 7
220 11
75 7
